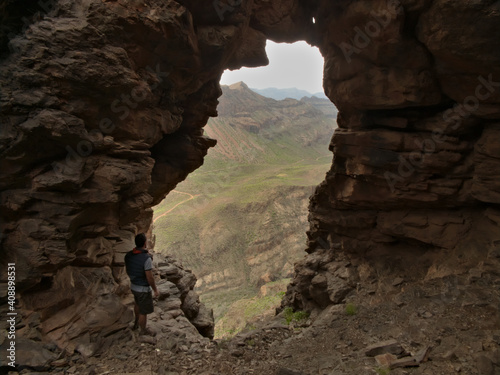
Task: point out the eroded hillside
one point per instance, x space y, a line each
239 221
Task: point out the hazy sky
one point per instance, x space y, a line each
290 65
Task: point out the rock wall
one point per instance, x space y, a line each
102 108
103 104
414 183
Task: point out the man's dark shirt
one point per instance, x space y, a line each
137 262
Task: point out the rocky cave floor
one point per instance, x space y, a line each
449 325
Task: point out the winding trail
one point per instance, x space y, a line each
178 204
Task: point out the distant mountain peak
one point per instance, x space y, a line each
253 127
239 86
292 92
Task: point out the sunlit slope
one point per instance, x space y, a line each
254 129
240 220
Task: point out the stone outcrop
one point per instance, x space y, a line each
87 310
102 105
415 155
102 109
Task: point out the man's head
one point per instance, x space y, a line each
140 240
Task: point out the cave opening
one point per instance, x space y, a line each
240 221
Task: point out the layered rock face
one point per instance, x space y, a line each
102 105
102 109
415 168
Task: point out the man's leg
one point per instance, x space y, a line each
143 306
136 314
142 322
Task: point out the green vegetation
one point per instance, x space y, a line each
382 371
291 316
245 312
222 300
261 305
234 209
351 309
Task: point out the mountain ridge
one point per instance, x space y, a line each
291 92
247 121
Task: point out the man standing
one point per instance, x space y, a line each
139 266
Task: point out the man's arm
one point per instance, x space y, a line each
151 281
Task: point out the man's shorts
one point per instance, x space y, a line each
145 302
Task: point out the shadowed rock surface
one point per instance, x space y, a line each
102 109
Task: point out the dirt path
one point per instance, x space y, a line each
178 204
